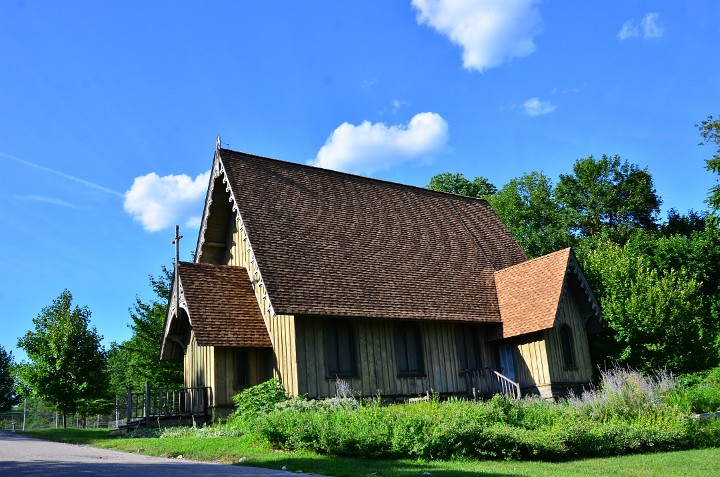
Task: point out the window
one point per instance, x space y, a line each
566 342
241 368
467 338
409 350
339 348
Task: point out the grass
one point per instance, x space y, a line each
244 449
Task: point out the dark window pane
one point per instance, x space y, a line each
566 342
339 348
409 349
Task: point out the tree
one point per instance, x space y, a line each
610 196
8 397
138 359
710 133
685 225
457 184
657 317
68 365
528 207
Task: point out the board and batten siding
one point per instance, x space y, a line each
281 328
199 364
376 364
539 358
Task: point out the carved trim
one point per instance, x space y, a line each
574 267
254 274
217 170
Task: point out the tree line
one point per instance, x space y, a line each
69 369
658 281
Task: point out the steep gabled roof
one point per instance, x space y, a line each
221 308
330 243
529 293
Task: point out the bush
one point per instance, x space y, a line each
629 413
260 399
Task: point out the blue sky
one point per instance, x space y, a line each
110 113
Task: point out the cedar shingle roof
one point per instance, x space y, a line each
529 293
329 243
223 307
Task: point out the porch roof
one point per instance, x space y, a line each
221 307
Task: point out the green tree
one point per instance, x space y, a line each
8 397
138 359
528 207
67 365
609 196
457 184
656 317
710 134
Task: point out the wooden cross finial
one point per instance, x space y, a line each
176 241
218 144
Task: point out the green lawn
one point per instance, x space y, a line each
704 462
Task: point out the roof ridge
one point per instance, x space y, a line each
358 176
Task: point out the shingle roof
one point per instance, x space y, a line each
223 307
529 293
329 243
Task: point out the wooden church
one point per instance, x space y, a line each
311 275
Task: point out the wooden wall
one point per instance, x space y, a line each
281 328
224 375
199 365
376 362
569 314
539 359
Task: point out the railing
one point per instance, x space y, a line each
155 403
485 382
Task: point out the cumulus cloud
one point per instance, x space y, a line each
538 107
161 202
648 28
369 147
490 32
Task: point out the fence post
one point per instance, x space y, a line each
128 406
147 403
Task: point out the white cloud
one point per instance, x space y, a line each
490 32
628 30
538 107
161 202
649 28
370 146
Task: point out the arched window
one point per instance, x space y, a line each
568 350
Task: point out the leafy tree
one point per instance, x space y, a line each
8 397
608 195
685 225
138 359
67 362
457 184
710 134
656 317
528 207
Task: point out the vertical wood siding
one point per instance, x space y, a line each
376 363
569 314
539 358
199 365
281 328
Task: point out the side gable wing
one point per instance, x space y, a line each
530 293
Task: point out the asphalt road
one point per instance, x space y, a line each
20 456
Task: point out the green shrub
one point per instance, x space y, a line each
697 399
260 399
629 413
